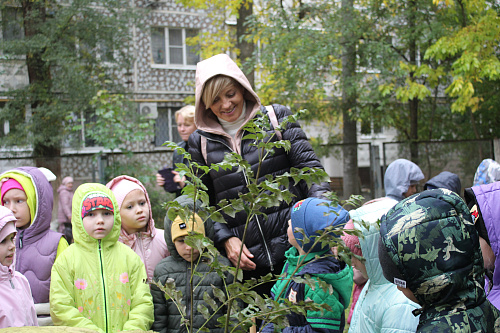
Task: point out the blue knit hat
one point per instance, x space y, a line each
312 215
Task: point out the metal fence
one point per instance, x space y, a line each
459 157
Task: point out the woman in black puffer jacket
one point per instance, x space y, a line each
225 102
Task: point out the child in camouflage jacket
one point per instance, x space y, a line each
430 249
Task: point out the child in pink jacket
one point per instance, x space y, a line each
138 227
17 307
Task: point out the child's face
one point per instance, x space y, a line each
488 254
408 293
135 212
16 200
291 237
360 266
7 250
98 223
412 189
184 250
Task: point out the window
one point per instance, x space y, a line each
169 47
165 127
371 128
12 24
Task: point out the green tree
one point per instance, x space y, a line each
350 151
242 303
472 47
72 50
224 39
308 60
397 34
308 49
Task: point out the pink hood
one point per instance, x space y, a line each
220 64
149 245
18 308
151 230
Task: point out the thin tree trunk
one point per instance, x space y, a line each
350 148
413 103
246 48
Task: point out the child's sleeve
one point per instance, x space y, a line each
63 245
160 302
141 308
325 321
62 309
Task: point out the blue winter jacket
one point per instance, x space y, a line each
381 307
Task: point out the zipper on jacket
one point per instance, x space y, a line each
103 286
12 284
21 235
188 298
268 253
265 244
256 218
222 142
141 248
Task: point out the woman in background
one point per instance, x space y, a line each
184 119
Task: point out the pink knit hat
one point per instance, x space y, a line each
7 222
122 189
9 185
351 241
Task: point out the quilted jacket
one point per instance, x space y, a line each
266 235
431 239
167 317
381 307
327 269
99 284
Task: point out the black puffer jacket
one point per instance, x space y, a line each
167 317
266 238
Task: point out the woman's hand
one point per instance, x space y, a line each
180 181
233 246
159 180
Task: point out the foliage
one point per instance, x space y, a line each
473 49
73 50
116 122
406 51
293 70
242 303
296 72
222 39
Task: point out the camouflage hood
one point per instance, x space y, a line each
431 240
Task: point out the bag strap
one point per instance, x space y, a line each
203 146
274 120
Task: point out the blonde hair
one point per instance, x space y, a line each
214 86
187 112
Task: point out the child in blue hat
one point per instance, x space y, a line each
313 216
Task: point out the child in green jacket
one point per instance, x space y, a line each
98 282
313 215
